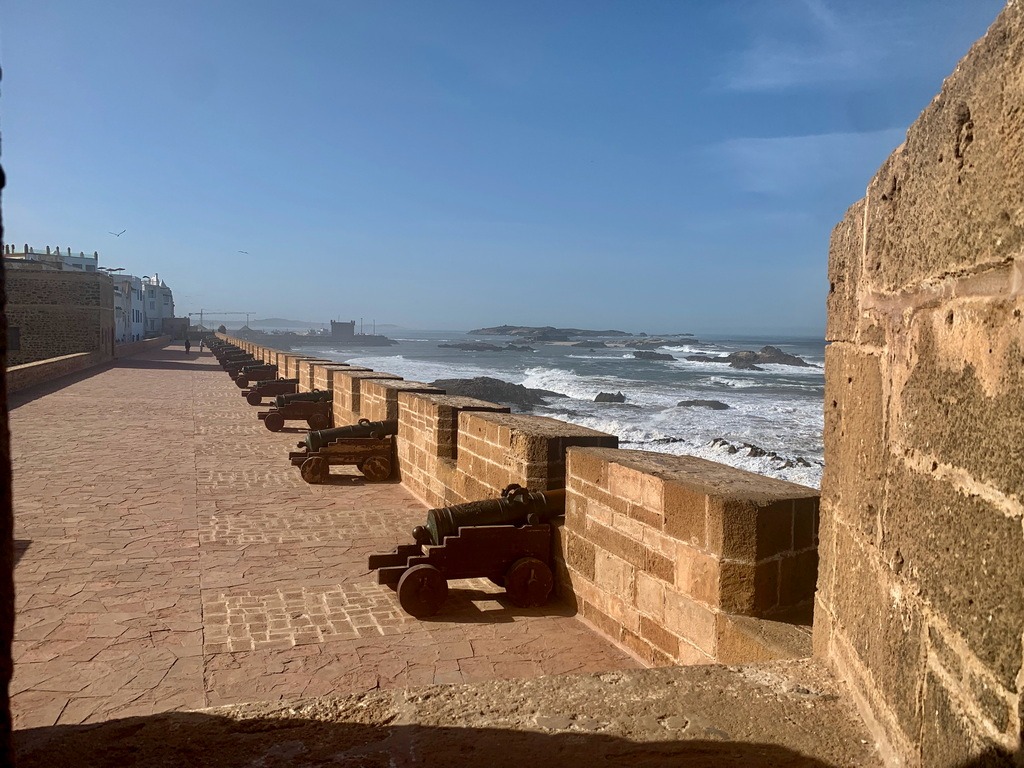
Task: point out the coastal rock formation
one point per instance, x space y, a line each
608 397
545 333
591 344
714 405
652 356
472 346
495 391
749 360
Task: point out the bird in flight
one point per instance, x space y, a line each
245 252
117 234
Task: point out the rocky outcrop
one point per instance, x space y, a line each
472 346
546 331
608 397
643 355
495 391
714 405
750 361
591 344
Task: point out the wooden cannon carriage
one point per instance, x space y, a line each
270 388
368 445
506 540
315 408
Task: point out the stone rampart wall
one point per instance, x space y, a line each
920 604
135 347
27 375
52 313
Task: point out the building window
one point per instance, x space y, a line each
13 339
152 306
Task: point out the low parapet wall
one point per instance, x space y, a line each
135 347
21 377
28 375
679 560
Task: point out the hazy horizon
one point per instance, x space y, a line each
655 166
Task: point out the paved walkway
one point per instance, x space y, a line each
169 557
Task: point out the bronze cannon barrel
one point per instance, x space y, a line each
317 439
315 396
515 507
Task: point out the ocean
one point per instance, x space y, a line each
773 424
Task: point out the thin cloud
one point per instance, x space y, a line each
808 42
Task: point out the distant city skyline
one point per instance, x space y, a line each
657 166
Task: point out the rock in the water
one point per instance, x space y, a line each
608 397
748 360
652 356
495 391
472 346
714 405
591 344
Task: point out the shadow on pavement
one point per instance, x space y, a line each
170 364
283 739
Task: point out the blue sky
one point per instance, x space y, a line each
645 165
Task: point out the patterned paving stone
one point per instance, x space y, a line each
169 557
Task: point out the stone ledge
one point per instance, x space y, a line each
789 713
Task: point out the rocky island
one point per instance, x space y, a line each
495 391
748 360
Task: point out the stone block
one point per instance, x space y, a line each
691 621
580 555
845 252
798 577
883 625
685 513
650 596
966 557
658 636
855 439
614 575
949 197
588 465
698 574
950 738
613 542
963 400
745 640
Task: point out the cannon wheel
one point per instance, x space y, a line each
376 468
274 421
528 582
318 421
242 381
422 590
315 470
254 398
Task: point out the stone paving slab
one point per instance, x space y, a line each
169 557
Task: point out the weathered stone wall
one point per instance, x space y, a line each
379 397
55 313
323 374
347 394
666 553
921 594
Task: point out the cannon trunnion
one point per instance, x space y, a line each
506 540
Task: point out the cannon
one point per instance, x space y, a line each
317 413
369 445
254 372
315 396
507 540
235 366
270 388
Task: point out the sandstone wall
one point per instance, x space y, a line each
669 554
921 593
51 313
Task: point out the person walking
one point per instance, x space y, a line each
188 345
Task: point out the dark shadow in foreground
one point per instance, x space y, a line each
184 364
213 741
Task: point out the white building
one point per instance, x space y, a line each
59 258
159 304
129 308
